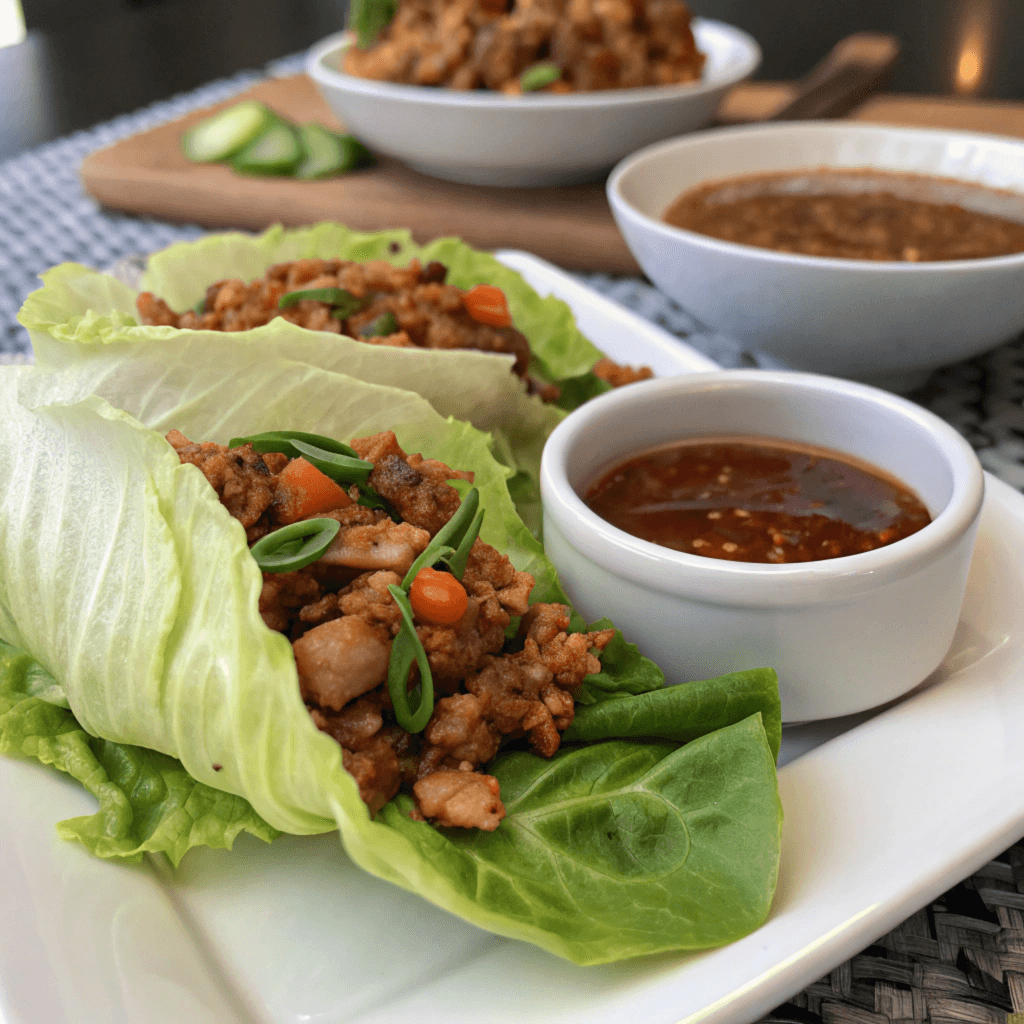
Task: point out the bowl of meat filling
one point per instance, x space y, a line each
820 525
517 94
864 251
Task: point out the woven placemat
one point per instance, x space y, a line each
960 959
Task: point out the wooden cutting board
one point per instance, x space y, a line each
572 226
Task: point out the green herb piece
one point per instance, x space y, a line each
368 17
281 441
295 546
274 151
381 326
536 76
340 468
457 562
225 133
344 302
200 307
440 547
405 648
326 154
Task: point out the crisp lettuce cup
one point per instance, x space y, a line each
134 656
81 314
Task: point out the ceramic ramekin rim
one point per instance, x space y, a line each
631 164
747 583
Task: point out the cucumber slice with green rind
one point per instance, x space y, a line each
274 151
225 133
327 154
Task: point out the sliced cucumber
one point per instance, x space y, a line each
221 136
274 151
326 154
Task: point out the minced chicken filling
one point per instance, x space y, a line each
341 620
396 306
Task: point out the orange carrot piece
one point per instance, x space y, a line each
303 491
437 597
487 305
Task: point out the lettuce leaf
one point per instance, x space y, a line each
82 314
128 582
148 803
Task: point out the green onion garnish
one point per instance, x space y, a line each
380 327
341 468
457 562
344 303
281 441
295 546
200 307
368 17
452 533
536 76
405 648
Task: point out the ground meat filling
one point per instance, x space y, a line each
474 44
342 620
426 312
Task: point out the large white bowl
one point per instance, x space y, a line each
844 634
891 323
487 138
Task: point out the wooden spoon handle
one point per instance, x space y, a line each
853 69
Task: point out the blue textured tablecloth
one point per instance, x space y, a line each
46 218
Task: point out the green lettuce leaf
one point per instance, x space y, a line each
125 578
148 803
684 712
81 314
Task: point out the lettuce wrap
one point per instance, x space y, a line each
135 657
81 314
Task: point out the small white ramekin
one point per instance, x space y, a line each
844 634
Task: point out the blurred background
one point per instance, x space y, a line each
66 66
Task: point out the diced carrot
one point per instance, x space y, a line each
303 491
487 305
438 597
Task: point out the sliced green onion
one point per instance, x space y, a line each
367 17
344 302
380 327
457 562
369 498
539 75
440 547
280 441
405 648
341 468
295 546
225 133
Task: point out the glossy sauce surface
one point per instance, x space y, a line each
860 214
756 500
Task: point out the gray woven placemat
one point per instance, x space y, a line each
962 958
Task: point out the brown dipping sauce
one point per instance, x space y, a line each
859 214
754 499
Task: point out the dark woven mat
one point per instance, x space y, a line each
961 959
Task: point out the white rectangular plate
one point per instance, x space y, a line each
890 812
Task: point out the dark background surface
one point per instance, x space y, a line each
88 62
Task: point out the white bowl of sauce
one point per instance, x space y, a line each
879 291
849 631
